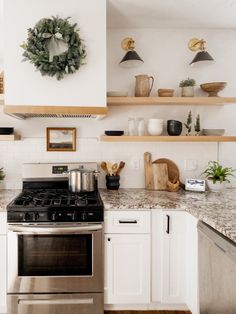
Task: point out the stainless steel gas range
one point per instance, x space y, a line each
55 245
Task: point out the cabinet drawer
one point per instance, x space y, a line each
127 222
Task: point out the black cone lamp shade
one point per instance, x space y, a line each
202 56
131 59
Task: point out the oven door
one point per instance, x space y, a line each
54 258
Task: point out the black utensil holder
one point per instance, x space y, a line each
113 182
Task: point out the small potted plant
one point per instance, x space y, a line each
187 87
2 175
197 126
188 123
217 176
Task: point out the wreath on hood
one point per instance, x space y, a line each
54 47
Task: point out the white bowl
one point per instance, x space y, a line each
155 126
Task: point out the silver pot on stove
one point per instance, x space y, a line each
82 180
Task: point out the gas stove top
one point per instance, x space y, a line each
58 205
49 200
43 199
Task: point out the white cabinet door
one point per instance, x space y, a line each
127 268
3 274
168 257
174 257
192 264
3 262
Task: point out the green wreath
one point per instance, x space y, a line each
54 47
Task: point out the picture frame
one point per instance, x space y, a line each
61 139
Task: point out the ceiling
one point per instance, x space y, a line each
171 14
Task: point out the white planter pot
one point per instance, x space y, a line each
187 91
216 187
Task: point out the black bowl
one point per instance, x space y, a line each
114 133
174 127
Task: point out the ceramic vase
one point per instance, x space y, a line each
155 126
112 182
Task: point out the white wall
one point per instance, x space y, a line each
166 57
25 86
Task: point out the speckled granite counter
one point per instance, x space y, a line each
216 209
6 196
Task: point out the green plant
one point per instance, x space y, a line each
187 82
2 175
188 124
216 172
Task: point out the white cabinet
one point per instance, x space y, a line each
192 263
127 257
3 259
168 258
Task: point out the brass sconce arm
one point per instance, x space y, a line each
128 44
196 44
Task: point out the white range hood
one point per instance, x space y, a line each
28 93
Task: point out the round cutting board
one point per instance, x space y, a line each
173 170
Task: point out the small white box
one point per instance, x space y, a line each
197 185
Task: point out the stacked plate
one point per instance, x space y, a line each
213 132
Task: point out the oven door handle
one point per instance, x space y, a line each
55 302
36 229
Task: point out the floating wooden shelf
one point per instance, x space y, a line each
127 101
124 138
11 137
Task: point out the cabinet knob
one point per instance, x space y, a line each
109 239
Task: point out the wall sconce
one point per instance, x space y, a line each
131 58
196 44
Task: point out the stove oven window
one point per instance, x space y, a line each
57 255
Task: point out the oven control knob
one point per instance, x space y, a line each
27 217
36 216
54 216
84 216
71 215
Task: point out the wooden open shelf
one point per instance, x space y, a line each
126 138
11 137
127 101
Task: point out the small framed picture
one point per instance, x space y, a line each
61 139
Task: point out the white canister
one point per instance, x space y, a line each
155 126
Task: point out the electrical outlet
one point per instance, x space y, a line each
135 165
190 164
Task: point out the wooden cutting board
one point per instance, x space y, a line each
173 170
148 171
160 176
156 175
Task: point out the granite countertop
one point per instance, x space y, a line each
216 209
6 196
